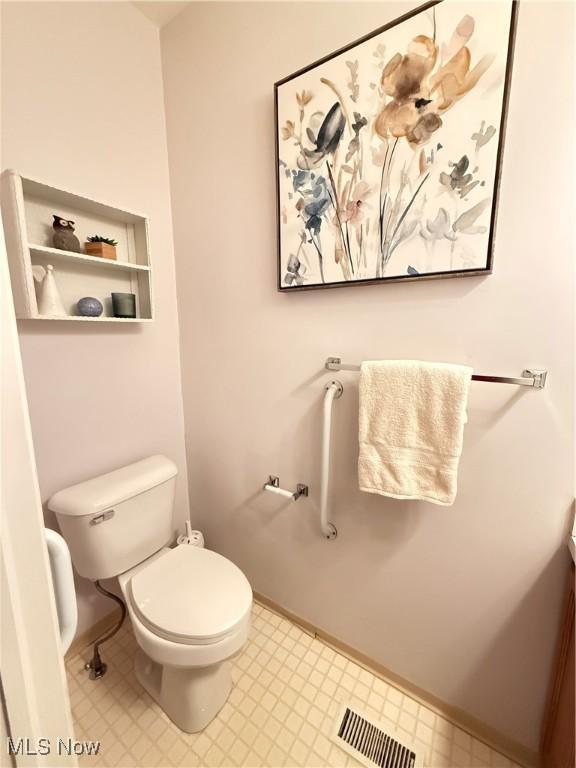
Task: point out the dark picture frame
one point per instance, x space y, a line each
288 278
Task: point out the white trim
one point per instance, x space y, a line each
31 660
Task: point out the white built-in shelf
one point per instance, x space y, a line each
28 206
56 254
85 319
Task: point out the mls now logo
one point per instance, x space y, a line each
28 747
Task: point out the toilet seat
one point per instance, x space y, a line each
191 595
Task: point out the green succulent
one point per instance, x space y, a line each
100 239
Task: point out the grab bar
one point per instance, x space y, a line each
333 391
63 581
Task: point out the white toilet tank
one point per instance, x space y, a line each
115 521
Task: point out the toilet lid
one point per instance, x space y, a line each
191 593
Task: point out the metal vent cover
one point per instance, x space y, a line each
373 744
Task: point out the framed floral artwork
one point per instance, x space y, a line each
389 151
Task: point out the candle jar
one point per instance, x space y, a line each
124 304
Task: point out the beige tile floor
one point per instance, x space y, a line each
288 691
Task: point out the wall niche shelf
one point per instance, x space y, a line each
27 208
56 254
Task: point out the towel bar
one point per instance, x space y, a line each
531 377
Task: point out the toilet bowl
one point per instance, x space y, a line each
190 611
189 607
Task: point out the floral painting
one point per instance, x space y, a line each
389 150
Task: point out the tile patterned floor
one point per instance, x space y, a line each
288 690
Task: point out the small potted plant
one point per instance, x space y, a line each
105 247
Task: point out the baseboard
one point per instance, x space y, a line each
476 728
90 635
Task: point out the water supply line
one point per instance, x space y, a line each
96 666
333 391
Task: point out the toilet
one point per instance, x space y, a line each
189 607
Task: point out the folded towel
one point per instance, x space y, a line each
411 424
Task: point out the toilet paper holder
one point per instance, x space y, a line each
273 485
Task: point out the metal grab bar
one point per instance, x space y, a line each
333 391
531 377
63 582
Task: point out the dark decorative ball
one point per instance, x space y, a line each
90 307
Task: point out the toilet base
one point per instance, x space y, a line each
190 696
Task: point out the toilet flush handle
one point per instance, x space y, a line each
102 517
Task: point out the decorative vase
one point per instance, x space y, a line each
89 307
124 305
49 301
104 250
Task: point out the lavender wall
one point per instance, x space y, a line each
463 601
100 396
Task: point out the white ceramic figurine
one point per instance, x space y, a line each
49 301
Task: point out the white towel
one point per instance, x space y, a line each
411 425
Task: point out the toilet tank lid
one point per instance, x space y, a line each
102 492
